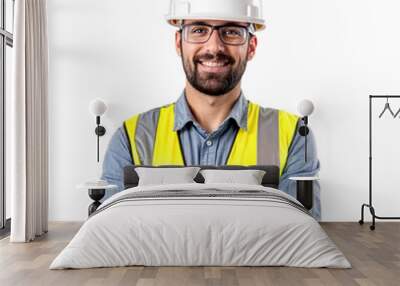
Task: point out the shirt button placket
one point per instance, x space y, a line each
211 152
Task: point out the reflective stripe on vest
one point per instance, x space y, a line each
265 142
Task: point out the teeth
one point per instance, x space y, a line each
213 64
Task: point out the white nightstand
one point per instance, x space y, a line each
96 193
304 190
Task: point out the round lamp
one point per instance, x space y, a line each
97 107
305 107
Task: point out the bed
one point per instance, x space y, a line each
201 224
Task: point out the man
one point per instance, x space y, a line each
212 123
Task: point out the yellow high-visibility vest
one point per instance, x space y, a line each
266 141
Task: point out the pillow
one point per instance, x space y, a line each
270 179
160 176
249 177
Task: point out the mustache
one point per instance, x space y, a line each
220 56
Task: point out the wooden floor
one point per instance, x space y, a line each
374 255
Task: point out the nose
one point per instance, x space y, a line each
214 43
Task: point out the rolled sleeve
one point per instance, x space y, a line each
116 158
296 166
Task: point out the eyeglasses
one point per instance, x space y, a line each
229 34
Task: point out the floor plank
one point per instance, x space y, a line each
374 255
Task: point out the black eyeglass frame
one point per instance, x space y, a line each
249 32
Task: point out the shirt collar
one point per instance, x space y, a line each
183 115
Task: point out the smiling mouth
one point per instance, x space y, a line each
214 66
214 63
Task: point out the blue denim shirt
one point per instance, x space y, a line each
203 148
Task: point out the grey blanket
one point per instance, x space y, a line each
248 194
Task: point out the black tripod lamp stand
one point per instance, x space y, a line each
97 187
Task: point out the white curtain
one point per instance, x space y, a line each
29 122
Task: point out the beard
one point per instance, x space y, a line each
213 83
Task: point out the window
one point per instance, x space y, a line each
6 44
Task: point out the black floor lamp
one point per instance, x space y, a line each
305 108
97 107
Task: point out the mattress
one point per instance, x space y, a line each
201 225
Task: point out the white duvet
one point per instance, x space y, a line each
207 230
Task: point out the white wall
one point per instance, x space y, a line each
335 53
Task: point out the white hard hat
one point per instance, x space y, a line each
249 11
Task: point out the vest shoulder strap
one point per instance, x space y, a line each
287 128
130 128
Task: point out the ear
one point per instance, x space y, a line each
251 51
178 36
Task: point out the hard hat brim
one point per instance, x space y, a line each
175 21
